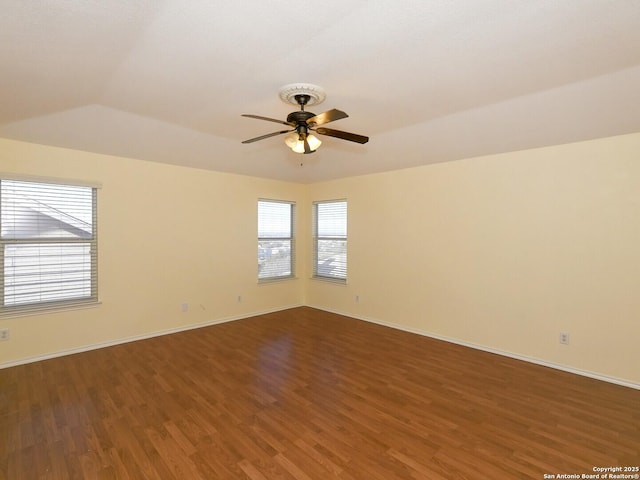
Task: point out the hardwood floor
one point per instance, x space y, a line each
305 394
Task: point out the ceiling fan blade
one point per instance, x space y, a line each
352 137
262 137
326 117
267 119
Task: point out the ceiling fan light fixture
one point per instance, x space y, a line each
296 142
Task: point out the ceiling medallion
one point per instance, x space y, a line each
316 94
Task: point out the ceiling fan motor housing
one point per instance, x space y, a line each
300 117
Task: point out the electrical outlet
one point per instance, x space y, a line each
239 298
184 307
564 338
4 334
357 298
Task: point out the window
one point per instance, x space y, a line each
276 245
330 240
48 245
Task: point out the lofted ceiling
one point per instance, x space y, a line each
427 80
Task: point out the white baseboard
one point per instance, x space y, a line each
537 361
135 338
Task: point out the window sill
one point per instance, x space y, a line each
266 281
31 311
335 281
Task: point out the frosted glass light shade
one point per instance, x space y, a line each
291 139
314 142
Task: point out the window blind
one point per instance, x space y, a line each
48 245
330 240
276 245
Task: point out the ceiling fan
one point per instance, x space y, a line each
300 137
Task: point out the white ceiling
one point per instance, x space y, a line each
427 80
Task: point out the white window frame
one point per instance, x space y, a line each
274 239
317 238
65 301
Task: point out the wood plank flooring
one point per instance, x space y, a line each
304 394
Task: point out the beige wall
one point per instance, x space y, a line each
504 252
167 235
